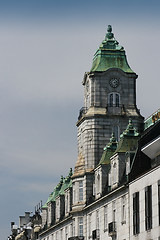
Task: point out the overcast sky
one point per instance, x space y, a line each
45 48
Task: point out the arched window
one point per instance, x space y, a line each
114 99
117 100
111 100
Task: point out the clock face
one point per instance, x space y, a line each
114 82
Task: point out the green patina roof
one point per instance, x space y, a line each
57 189
60 188
49 199
66 183
54 194
110 55
128 139
108 151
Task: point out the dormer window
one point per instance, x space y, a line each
98 184
114 173
114 99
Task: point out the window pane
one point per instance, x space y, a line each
81 226
136 213
105 217
111 100
117 100
81 191
148 207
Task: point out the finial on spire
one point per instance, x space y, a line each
61 181
109 35
112 143
70 172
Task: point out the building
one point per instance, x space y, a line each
113 192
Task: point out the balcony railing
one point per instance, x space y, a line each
82 112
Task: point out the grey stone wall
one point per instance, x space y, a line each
99 120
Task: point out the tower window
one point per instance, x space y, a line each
117 100
111 100
80 190
114 99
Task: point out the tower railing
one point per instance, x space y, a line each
82 112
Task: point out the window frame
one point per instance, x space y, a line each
148 207
114 99
80 226
136 217
80 191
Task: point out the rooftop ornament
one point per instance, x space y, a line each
109 35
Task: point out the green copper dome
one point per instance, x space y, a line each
110 55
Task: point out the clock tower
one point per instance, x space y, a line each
109 103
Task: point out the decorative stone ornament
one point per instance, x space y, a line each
114 82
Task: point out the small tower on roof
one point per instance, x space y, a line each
121 160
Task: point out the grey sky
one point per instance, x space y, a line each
42 67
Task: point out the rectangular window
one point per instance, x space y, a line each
61 233
80 221
66 233
66 203
89 222
105 218
80 190
74 193
114 211
148 207
123 209
159 200
136 223
73 228
56 235
97 219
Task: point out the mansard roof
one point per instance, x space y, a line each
110 55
